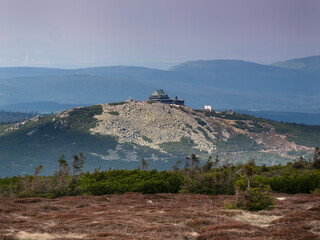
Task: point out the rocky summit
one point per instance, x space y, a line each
151 124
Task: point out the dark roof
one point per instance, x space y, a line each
159 94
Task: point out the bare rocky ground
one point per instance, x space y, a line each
151 124
158 216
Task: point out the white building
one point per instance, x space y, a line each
207 107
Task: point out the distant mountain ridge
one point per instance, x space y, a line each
39 107
216 65
227 84
290 117
308 63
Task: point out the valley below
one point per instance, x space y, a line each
157 216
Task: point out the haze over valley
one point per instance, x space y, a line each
224 84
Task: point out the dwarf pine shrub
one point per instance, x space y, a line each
253 199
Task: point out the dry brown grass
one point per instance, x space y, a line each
256 219
159 216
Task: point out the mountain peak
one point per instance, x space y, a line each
211 65
308 63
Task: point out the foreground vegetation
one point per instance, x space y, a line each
250 183
132 216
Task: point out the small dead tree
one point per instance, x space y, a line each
36 185
61 176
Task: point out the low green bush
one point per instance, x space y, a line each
121 181
114 113
145 138
117 103
254 199
196 177
202 123
291 181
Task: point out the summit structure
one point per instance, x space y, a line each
160 96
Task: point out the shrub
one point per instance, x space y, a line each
240 124
114 113
301 164
117 103
317 190
294 182
121 181
205 134
83 118
145 138
202 123
209 129
195 178
316 159
254 199
316 164
206 181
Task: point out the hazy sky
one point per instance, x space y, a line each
155 33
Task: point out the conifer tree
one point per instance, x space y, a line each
144 164
77 164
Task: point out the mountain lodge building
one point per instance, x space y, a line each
160 96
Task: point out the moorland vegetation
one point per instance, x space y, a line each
250 183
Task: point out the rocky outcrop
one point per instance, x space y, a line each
150 124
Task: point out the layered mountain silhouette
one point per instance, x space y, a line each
221 83
309 63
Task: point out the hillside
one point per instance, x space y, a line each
119 135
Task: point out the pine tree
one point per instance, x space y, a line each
77 164
144 164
